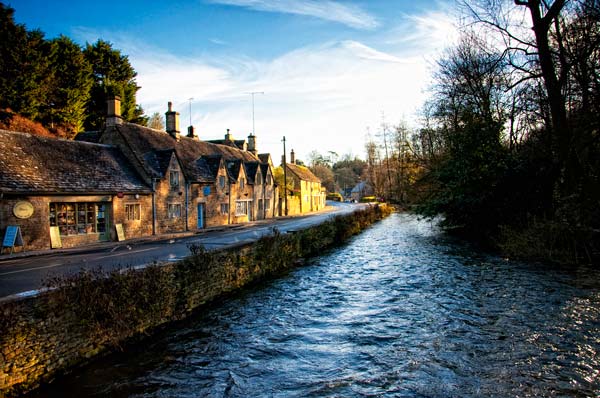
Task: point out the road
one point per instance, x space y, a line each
24 276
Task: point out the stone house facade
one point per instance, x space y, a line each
307 194
81 190
215 186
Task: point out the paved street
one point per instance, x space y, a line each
24 275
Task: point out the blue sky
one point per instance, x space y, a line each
328 69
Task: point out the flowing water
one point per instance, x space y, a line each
398 311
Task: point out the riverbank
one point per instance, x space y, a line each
94 313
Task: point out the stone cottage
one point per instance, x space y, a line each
78 189
306 194
195 184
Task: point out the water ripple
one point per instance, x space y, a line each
400 311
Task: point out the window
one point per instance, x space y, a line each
174 179
133 211
221 182
242 183
224 208
174 210
241 207
78 218
268 179
259 178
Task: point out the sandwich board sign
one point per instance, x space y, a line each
120 232
55 241
12 238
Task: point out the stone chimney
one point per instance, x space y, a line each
191 133
252 144
228 136
113 113
292 157
172 119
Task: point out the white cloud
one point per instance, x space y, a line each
349 15
321 97
424 33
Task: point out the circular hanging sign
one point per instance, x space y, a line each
23 209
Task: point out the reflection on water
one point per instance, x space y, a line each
400 310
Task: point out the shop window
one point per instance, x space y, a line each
224 208
133 212
174 179
174 210
78 218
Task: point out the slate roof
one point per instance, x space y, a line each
302 172
88 136
264 169
239 144
265 158
251 168
233 168
213 164
144 141
40 165
159 160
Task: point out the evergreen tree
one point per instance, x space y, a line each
71 83
24 78
112 75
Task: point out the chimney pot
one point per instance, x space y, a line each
172 119
191 133
252 144
292 157
113 114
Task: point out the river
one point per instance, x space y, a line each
400 310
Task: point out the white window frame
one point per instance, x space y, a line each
224 209
242 207
133 211
174 210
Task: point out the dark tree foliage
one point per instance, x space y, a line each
513 143
70 86
58 84
113 75
23 66
471 161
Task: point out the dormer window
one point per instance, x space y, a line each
221 182
258 179
242 183
174 179
268 179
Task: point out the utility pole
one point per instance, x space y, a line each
252 94
285 178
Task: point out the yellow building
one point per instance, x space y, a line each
306 193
